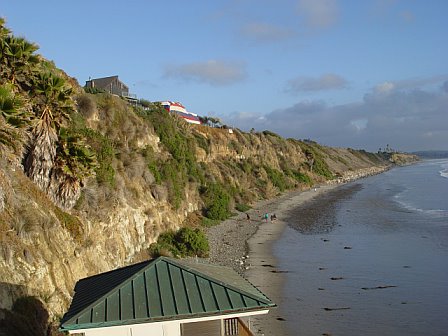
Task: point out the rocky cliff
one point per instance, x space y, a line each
45 249
88 181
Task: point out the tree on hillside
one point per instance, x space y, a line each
33 95
211 121
3 30
74 162
56 160
310 158
13 118
18 62
12 107
51 104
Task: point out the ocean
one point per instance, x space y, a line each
370 258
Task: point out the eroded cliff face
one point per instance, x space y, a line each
114 176
45 250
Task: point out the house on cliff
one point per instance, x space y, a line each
112 85
180 110
165 297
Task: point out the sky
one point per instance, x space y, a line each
344 73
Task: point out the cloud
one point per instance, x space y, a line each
384 88
262 32
213 72
410 83
406 119
322 83
359 124
319 13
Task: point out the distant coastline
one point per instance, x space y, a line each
436 154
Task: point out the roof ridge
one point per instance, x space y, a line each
263 298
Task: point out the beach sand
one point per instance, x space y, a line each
246 246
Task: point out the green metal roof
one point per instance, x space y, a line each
157 290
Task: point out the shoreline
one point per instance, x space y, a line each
263 272
246 245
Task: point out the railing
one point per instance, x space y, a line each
236 327
129 95
231 327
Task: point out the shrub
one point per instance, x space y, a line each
217 202
242 207
207 222
235 145
182 167
71 223
86 105
174 175
321 168
105 153
192 242
302 177
203 142
247 166
183 243
145 103
312 151
93 90
277 178
267 132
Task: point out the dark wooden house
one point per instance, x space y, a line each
110 84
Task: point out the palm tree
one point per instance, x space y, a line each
74 162
52 102
12 107
4 33
13 118
3 30
18 61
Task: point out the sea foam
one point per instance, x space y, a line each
444 171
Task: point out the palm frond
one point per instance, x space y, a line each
12 107
74 156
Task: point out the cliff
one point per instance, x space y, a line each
88 182
149 183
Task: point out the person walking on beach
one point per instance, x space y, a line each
266 216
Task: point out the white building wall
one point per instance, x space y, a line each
159 329
166 328
156 329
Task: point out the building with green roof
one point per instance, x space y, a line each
165 297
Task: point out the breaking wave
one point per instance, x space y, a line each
444 171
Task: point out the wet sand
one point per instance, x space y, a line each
263 271
247 245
